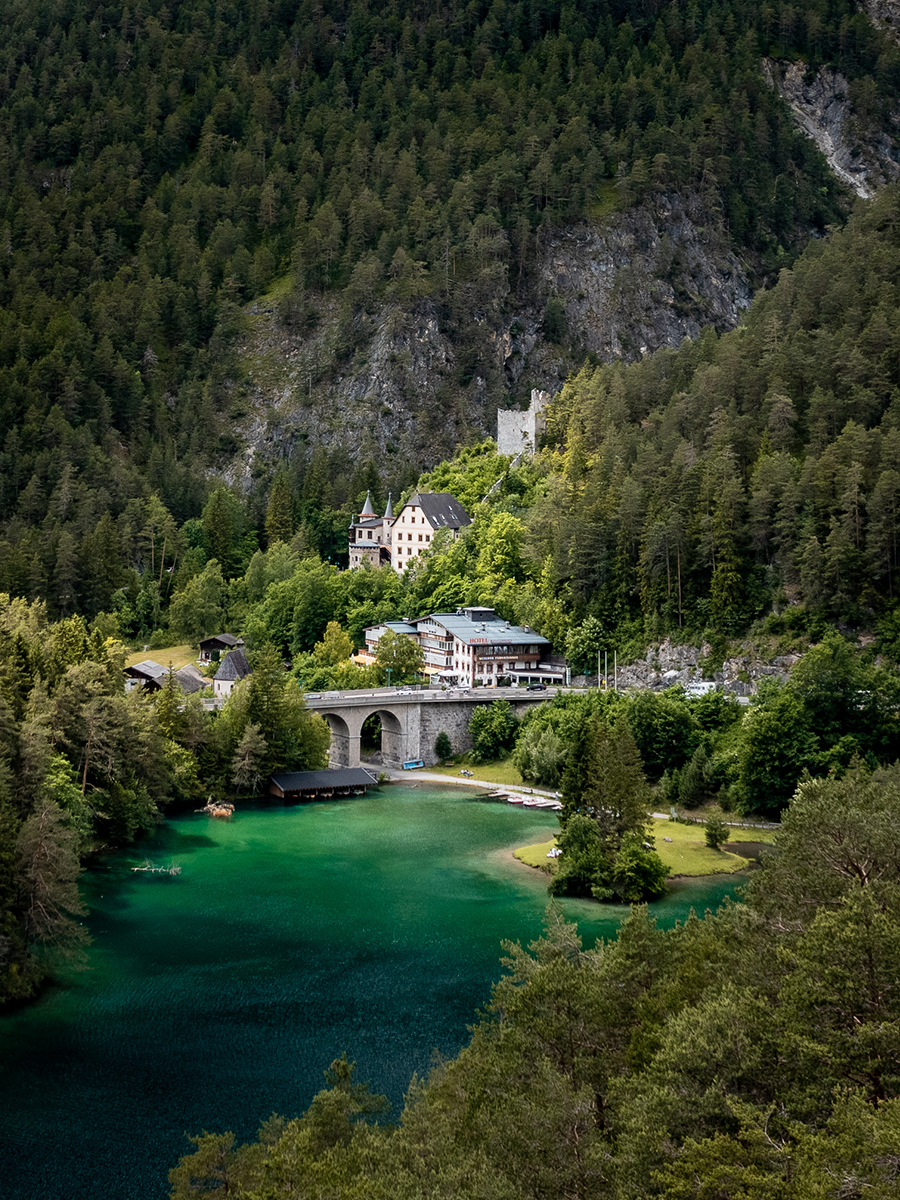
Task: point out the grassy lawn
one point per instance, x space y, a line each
536 855
178 656
686 854
495 772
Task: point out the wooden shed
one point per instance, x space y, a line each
322 785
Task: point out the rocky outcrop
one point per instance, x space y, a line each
669 664
885 14
304 388
645 279
864 159
389 385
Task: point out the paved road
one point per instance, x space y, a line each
451 696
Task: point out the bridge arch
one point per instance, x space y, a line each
392 735
344 749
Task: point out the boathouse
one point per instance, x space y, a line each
321 785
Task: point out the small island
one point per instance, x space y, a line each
682 847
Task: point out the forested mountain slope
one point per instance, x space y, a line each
739 471
163 167
699 490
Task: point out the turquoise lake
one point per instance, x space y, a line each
293 934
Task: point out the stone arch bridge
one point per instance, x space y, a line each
410 721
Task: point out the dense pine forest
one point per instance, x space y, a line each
162 167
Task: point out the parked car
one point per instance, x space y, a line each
537 687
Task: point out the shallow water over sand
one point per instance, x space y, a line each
371 926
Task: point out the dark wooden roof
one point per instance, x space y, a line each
190 679
309 781
234 666
148 669
220 641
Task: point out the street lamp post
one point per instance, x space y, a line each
389 669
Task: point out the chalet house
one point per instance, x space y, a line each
234 667
397 540
151 676
148 674
475 646
220 644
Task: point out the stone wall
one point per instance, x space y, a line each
519 432
452 719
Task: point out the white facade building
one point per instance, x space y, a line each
475 646
399 540
419 520
233 668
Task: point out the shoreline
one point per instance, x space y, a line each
398 776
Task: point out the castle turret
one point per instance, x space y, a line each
370 536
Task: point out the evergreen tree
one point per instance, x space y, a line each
280 512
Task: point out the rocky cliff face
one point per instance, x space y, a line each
393 384
864 158
645 280
669 664
885 14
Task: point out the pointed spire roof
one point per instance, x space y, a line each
389 511
367 510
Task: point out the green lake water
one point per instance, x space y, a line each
371 926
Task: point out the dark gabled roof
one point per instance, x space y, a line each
190 679
441 510
234 666
307 781
220 639
148 669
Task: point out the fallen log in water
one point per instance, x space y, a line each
149 867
